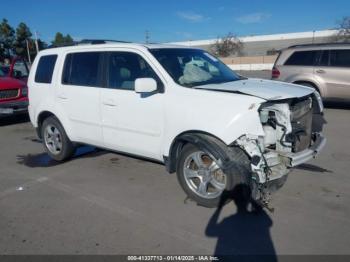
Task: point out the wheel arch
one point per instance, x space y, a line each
41 118
206 141
312 83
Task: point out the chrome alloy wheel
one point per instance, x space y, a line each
53 139
203 175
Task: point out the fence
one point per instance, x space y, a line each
250 62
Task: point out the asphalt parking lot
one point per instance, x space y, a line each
106 203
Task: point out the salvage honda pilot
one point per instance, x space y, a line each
177 105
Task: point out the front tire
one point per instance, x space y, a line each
55 140
204 181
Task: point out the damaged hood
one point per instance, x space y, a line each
265 89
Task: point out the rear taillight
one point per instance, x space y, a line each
275 73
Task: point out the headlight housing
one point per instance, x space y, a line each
24 91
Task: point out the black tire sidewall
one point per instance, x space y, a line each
67 146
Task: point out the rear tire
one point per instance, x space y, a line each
219 191
55 140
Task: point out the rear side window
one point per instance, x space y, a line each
82 69
302 58
45 69
340 58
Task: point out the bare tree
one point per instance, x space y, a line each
272 51
227 46
343 35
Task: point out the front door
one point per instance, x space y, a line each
131 122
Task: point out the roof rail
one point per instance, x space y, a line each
100 41
89 42
319 44
62 45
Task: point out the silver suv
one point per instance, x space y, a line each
325 67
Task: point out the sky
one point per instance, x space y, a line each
168 21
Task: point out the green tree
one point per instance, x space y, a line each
7 38
61 40
23 35
42 44
69 39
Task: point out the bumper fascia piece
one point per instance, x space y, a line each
299 158
12 108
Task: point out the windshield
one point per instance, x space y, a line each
20 69
193 67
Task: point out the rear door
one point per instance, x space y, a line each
78 95
301 64
131 122
334 70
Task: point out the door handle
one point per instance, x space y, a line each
109 102
320 71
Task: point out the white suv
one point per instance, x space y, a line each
180 106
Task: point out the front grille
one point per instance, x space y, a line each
8 94
301 117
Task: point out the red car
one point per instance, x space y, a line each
13 88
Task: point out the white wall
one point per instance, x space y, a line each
251 67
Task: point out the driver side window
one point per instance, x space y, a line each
125 67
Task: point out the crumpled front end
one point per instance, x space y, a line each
292 136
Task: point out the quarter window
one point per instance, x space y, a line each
125 67
340 58
302 58
45 69
82 69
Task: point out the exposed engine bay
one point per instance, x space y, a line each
292 129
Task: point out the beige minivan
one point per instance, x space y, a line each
326 67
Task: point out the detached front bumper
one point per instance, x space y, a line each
12 108
295 159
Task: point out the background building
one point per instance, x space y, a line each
261 45
259 52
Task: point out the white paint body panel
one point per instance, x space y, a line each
131 123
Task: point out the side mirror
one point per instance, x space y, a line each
145 85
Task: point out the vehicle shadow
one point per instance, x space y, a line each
246 233
313 168
14 120
44 160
